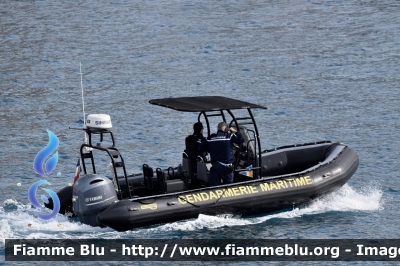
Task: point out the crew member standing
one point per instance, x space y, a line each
192 143
220 148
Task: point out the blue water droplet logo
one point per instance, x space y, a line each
35 202
45 169
44 153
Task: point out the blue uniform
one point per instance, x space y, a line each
220 147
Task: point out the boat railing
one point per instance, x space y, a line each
86 152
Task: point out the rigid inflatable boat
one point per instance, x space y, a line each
264 180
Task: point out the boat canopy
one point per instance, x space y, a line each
203 104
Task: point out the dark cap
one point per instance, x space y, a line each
197 127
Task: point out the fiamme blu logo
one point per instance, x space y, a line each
43 165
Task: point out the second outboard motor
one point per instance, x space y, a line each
91 195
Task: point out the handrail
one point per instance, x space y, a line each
112 152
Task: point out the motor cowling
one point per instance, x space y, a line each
91 195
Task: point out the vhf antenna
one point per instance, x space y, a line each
83 102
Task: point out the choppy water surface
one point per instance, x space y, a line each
325 70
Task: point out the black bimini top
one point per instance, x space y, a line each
203 103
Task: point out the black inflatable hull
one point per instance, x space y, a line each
65 196
270 193
292 175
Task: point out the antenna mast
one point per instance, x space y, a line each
83 101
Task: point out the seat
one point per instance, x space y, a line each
187 166
167 183
148 176
203 173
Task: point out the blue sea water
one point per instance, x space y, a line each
326 70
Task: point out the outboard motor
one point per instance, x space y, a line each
91 195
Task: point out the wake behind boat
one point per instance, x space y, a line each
264 180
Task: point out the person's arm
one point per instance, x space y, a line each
237 137
203 147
